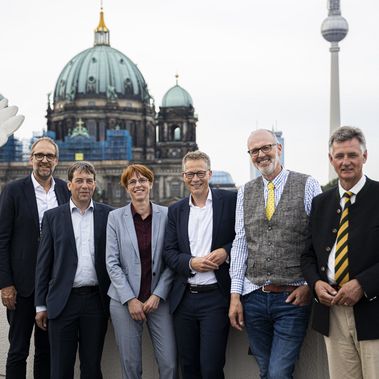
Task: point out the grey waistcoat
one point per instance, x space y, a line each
275 246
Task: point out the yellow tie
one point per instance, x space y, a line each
270 205
341 265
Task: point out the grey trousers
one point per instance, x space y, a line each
128 333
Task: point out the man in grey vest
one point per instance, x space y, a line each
268 292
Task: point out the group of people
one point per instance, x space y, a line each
253 259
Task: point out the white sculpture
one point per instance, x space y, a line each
9 121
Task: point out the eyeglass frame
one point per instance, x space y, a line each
255 152
49 157
190 175
140 180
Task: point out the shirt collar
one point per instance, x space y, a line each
278 178
37 185
355 189
73 207
209 199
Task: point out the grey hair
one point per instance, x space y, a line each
347 133
195 156
48 139
264 130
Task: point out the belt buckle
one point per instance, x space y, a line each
263 289
192 290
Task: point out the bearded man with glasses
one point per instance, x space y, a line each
268 293
23 203
199 236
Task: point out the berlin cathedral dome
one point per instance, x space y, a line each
101 71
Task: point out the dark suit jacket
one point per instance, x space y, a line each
20 233
363 254
57 258
177 252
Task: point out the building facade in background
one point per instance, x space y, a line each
102 111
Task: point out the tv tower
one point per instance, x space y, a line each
334 29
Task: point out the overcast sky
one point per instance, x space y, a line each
246 64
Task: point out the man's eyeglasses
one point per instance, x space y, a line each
264 149
191 175
39 157
133 182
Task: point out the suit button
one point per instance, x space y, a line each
268 259
153 273
338 210
322 268
334 230
328 249
269 228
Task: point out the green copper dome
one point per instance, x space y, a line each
101 71
177 97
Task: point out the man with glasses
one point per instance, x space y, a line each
199 236
268 293
22 206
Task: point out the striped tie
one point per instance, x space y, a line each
341 259
270 205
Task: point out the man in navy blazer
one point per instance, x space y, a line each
346 287
22 205
198 239
72 280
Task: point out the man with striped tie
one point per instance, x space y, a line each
342 262
268 293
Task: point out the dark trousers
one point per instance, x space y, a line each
83 322
201 327
21 323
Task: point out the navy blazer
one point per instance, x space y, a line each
20 232
177 252
57 259
363 254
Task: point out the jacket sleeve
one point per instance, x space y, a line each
7 215
45 260
116 274
174 258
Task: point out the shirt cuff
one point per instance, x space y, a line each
41 308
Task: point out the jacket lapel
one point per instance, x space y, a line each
184 219
156 213
217 205
60 193
130 229
31 200
69 227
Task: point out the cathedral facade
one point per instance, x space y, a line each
102 111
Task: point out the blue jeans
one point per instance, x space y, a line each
276 332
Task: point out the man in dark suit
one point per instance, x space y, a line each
198 239
22 205
72 280
342 262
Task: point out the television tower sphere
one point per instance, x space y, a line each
334 28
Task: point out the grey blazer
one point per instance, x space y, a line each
123 258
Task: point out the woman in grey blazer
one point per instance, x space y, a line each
140 282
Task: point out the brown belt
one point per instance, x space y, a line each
277 288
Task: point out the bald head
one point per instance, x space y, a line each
265 152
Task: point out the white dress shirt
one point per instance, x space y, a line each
239 253
332 256
45 200
85 245
200 228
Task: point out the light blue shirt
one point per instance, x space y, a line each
239 253
82 224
